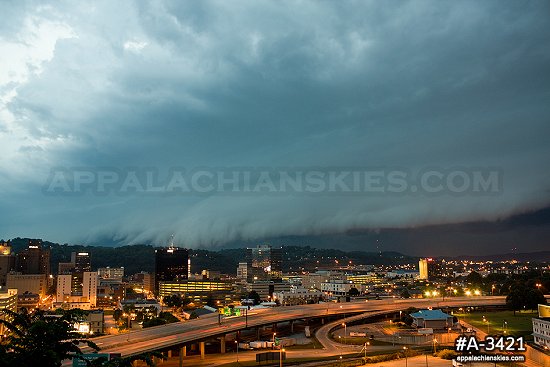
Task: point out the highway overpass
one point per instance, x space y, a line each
178 336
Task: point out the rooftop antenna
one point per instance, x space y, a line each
172 240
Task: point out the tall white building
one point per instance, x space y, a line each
86 300
541 327
63 287
423 268
89 287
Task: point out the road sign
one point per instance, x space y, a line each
89 357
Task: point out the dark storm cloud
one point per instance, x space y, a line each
273 84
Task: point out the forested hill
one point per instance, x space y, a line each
136 258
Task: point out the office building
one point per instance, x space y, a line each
338 287
297 296
266 289
82 261
65 268
541 327
35 259
28 300
84 297
145 280
7 261
28 283
430 269
242 271
264 263
8 300
171 265
111 273
199 291
423 269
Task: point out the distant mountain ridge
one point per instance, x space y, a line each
136 258
139 257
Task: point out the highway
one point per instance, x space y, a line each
172 335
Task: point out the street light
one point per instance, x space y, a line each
345 332
273 346
281 357
488 324
237 343
435 345
367 343
405 354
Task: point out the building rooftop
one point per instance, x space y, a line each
430 315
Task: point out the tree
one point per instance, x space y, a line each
38 337
533 298
254 296
353 292
117 314
173 300
210 301
474 278
514 300
405 293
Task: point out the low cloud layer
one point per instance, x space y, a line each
168 85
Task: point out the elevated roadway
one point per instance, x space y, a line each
179 334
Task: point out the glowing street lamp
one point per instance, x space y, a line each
281 357
345 332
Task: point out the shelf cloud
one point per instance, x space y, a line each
96 91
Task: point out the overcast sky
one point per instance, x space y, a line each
188 84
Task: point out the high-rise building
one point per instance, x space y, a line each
82 261
64 282
429 269
264 263
171 265
242 271
7 261
89 287
35 259
423 269
87 293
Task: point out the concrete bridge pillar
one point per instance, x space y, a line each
201 346
169 354
222 344
183 353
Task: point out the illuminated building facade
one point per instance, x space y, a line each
171 265
198 290
264 263
35 259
